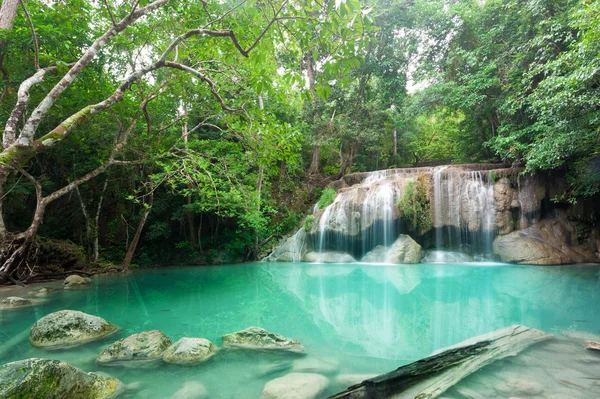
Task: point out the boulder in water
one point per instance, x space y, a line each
53 379
259 338
295 386
14 302
68 328
138 349
189 351
316 365
328 257
75 282
190 390
403 250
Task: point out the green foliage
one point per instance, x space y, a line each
327 197
308 223
415 208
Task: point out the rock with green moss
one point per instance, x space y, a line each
75 282
259 338
68 328
53 379
140 349
190 351
14 302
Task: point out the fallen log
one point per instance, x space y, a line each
430 377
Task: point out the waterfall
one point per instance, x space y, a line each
463 209
362 216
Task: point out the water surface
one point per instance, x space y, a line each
369 318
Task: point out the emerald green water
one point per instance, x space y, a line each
369 318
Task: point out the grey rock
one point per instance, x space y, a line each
75 282
68 328
14 302
259 338
190 390
295 386
403 250
189 351
138 349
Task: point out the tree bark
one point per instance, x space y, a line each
432 376
315 163
138 233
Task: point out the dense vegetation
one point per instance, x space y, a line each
178 131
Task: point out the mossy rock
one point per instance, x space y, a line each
14 302
259 338
60 255
190 351
138 349
68 328
54 379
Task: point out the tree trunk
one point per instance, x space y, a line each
8 11
315 163
96 233
138 234
432 376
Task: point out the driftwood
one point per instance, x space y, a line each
430 377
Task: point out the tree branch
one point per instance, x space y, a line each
207 80
36 47
26 137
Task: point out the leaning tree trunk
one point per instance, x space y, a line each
138 233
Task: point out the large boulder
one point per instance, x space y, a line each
328 257
189 351
14 302
549 242
53 379
295 386
403 250
259 338
74 282
138 349
68 328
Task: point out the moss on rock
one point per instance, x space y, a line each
54 379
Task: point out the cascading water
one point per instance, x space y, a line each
463 209
362 216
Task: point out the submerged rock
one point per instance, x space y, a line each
190 390
74 282
68 328
143 348
347 380
328 257
295 386
259 338
189 351
53 379
403 250
316 365
42 292
14 302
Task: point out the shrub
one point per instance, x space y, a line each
327 197
415 208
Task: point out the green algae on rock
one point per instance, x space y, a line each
67 328
137 349
54 379
259 338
